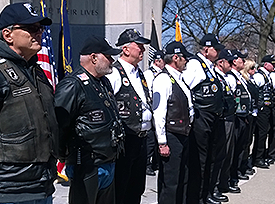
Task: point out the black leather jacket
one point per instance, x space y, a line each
88 118
24 173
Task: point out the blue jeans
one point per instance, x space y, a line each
48 200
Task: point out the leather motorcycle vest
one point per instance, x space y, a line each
177 118
28 126
98 122
229 102
241 97
265 92
208 94
129 103
254 92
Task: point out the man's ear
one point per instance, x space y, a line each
7 35
93 58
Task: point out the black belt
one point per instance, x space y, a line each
142 133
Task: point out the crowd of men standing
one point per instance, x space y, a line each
198 113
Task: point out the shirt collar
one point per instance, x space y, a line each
156 68
265 71
208 63
129 68
175 73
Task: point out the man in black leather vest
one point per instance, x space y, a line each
264 117
206 143
243 108
91 133
27 120
173 114
222 66
134 104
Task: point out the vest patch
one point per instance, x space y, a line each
96 116
125 81
21 91
83 77
12 74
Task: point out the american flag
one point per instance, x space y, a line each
46 55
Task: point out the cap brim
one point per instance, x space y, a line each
219 47
142 40
35 19
112 51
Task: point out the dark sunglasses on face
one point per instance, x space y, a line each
30 28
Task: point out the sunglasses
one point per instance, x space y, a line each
30 28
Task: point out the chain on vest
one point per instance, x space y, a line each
98 122
129 103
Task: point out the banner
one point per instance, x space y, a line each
65 52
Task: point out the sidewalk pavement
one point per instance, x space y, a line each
259 189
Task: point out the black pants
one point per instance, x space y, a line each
84 187
263 124
173 171
152 150
270 153
130 173
207 152
246 163
223 185
240 136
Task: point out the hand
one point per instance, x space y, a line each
164 150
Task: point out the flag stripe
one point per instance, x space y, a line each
46 55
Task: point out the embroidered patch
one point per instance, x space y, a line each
96 116
21 91
83 77
2 61
214 88
144 83
12 73
125 81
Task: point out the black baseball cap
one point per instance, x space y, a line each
237 53
211 40
158 55
269 58
131 35
21 13
227 55
97 44
177 48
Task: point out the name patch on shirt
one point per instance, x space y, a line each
96 116
21 91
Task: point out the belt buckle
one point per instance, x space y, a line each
142 134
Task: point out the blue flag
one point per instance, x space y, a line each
65 51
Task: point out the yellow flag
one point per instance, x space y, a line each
178 33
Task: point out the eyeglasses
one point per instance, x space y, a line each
30 28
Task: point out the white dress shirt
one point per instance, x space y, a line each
133 76
259 78
194 73
272 77
150 76
162 86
